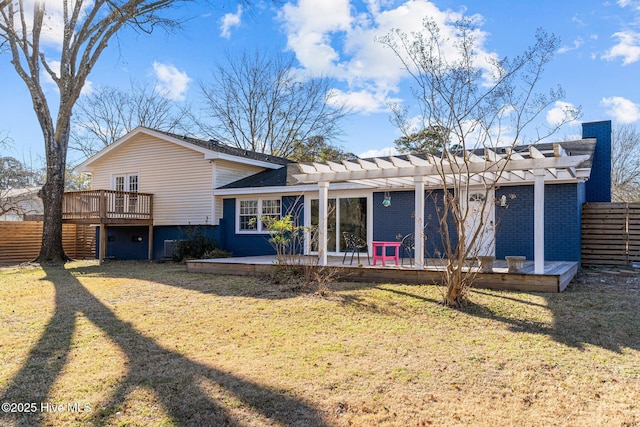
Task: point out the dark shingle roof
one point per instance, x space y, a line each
215 145
269 178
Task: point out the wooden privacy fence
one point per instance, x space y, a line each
20 240
610 233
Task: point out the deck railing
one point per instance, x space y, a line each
107 206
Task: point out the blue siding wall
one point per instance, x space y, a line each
174 232
598 187
122 245
242 244
123 242
561 216
254 244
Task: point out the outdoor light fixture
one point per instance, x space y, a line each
387 197
387 200
503 201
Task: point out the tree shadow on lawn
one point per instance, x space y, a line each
171 376
176 275
580 316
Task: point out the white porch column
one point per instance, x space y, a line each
419 222
538 222
323 201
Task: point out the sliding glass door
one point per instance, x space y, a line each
347 214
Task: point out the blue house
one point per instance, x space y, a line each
535 193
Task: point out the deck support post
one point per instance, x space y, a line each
538 222
102 251
150 254
323 201
419 222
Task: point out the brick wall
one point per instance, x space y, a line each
562 208
397 220
598 188
514 224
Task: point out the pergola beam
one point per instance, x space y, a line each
372 171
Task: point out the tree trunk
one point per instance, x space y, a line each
52 194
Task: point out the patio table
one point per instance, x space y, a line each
383 256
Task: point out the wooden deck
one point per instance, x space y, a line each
556 277
107 207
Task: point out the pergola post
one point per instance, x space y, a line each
538 222
419 222
323 201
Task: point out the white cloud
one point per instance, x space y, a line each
333 38
628 47
576 44
172 83
46 77
53 23
229 21
560 112
621 109
87 89
383 152
635 4
362 101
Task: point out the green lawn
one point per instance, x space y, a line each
141 344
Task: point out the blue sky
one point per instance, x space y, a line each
598 63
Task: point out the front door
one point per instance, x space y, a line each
480 218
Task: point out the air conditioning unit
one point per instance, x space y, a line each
170 248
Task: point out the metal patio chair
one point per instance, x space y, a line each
408 245
353 244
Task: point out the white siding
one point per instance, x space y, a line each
180 179
226 173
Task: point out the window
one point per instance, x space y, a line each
248 215
126 183
251 213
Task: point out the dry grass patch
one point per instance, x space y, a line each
149 344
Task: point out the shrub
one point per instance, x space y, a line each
197 246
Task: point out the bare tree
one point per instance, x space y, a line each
109 113
625 168
264 104
87 27
472 99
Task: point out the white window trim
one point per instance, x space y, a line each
259 229
339 195
126 176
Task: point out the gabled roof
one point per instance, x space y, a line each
267 178
217 146
211 149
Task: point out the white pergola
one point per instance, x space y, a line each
493 168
